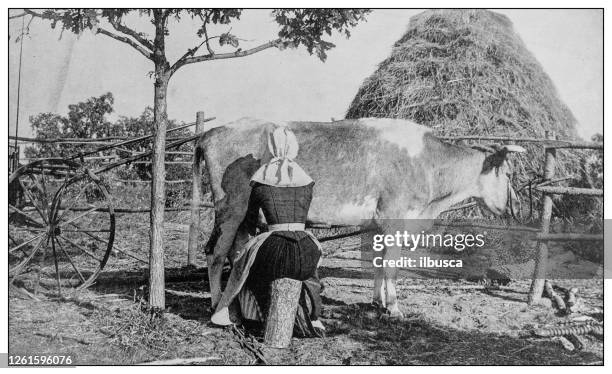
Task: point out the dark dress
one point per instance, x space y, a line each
284 254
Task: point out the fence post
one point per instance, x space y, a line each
541 260
16 166
14 159
196 194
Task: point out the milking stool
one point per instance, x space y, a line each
284 300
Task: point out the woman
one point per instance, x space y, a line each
283 191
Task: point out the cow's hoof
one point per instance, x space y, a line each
395 314
378 304
221 318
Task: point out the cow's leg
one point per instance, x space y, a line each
385 294
378 299
414 223
229 215
215 270
384 285
379 287
225 233
390 277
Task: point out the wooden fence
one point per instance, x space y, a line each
541 258
551 145
109 161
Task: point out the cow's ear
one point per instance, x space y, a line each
492 148
483 148
494 161
512 148
499 155
497 159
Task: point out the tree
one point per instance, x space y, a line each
298 27
143 125
85 120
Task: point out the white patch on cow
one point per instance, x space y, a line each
245 123
353 213
406 134
412 214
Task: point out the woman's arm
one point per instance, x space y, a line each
252 215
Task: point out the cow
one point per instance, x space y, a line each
365 169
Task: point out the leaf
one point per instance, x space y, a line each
309 27
228 38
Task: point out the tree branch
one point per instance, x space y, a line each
239 53
206 39
167 13
40 15
138 47
128 41
18 15
126 30
191 52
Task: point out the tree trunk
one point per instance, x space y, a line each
158 193
158 198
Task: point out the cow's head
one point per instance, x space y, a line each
494 181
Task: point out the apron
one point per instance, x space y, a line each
242 264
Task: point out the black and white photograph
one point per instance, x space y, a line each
304 186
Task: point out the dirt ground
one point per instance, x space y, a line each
447 322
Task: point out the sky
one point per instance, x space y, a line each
61 69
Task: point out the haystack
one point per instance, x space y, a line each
467 72
464 72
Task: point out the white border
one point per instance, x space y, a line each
273 4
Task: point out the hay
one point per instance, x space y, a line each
466 72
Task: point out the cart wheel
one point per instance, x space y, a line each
64 214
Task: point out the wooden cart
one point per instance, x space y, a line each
59 208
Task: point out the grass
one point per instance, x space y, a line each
447 322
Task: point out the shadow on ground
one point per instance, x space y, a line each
357 333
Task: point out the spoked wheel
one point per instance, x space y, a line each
61 223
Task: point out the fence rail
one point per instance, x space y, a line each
138 210
111 157
548 143
149 182
165 162
555 190
569 237
76 141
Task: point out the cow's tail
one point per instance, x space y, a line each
199 161
199 164
197 170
